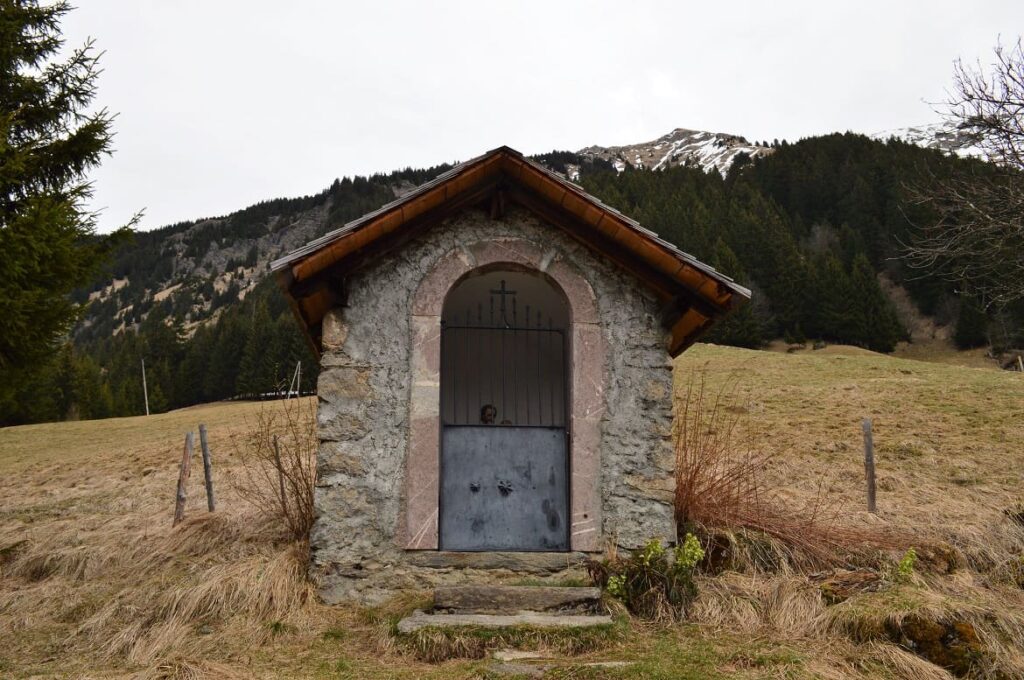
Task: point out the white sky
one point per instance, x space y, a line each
223 104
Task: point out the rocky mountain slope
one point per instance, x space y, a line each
206 265
203 266
694 148
936 136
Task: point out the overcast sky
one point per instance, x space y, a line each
222 104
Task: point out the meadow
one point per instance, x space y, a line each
94 582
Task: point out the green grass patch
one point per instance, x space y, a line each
336 634
470 642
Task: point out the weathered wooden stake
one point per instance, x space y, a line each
1020 364
869 463
145 391
207 468
186 470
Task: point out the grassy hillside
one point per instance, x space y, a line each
949 439
816 229
94 582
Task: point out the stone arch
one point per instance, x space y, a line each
418 528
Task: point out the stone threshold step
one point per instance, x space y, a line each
420 619
522 562
487 599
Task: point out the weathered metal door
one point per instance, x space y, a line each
504 488
504 442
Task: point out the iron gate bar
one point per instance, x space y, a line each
528 361
479 353
515 361
515 355
551 383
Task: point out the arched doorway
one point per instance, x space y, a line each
503 406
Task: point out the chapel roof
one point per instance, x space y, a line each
695 296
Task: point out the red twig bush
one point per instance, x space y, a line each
722 492
278 463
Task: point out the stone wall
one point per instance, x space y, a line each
366 382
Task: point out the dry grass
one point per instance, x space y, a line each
277 463
95 583
94 570
950 462
442 644
948 439
722 493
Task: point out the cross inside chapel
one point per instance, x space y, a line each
501 301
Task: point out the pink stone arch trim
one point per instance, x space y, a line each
587 389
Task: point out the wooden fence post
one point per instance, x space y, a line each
207 468
145 390
869 463
186 470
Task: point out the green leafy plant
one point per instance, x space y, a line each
905 567
652 582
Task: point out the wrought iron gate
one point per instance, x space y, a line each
504 441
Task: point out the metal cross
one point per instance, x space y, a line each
501 307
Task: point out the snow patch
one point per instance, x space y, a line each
681 147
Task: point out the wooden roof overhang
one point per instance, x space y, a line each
694 295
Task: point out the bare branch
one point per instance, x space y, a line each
975 236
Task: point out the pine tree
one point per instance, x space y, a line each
833 295
50 143
876 325
257 370
971 324
741 328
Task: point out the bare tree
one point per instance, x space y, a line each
991 105
976 235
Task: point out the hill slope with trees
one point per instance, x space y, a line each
811 227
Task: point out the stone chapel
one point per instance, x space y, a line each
495 395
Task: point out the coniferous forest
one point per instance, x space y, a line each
811 228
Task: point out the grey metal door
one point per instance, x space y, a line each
504 442
504 488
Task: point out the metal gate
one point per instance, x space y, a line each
504 441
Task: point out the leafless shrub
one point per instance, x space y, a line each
721 492
989 104
975 230
278 464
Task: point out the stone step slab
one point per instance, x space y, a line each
486 599
526 670
420 619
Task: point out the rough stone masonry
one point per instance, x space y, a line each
358 542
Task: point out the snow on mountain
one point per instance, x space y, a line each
935 136
694 148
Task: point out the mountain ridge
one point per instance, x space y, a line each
680 147
209 263
814 228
